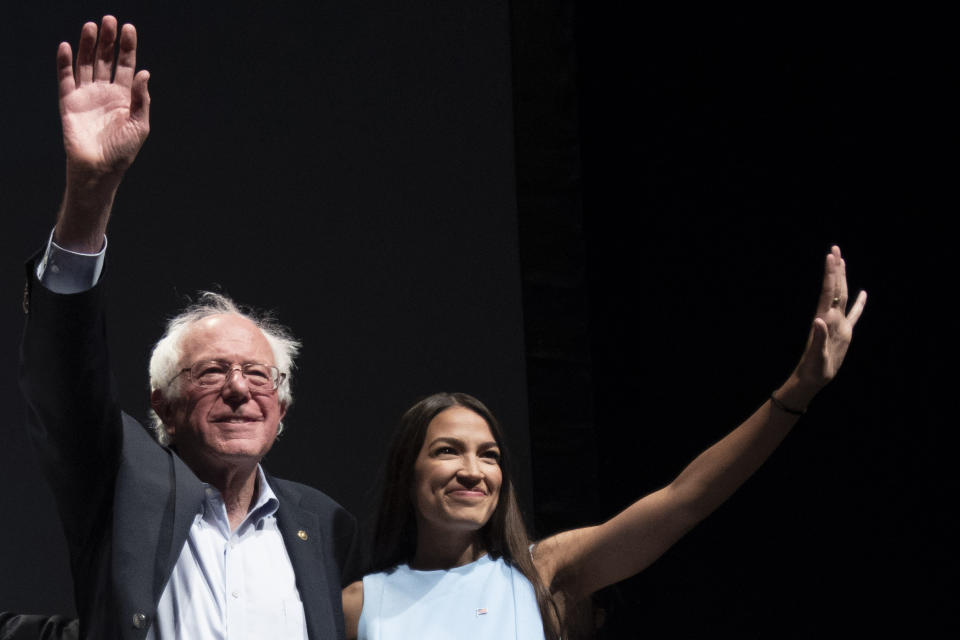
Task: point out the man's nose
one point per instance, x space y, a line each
235 387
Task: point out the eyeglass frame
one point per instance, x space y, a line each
277 379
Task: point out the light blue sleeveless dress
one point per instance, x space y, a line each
484 600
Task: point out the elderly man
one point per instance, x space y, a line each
187 537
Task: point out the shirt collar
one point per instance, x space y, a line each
265 505
267 502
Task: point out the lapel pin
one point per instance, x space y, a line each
302 534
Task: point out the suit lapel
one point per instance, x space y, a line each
156 497
187 498
303 538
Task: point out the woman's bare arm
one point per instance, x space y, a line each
581 561
352 605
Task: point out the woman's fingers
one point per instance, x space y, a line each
828 293
818 340
857 308
841 277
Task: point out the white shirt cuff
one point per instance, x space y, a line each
64 271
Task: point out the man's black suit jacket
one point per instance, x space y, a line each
15 626
125 502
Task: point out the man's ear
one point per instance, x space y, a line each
162 408
280 426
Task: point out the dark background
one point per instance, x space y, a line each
608 225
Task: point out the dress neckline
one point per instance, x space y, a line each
464 568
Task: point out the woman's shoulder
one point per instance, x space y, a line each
353 590
352 606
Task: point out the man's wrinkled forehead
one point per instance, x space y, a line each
225 337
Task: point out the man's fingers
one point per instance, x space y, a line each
88 38
127 57
103 62
140 98
857 308
65 80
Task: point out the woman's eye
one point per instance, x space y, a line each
492 455
445 451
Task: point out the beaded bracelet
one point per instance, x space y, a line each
785 408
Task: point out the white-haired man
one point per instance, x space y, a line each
191 539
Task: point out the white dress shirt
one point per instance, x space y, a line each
232 585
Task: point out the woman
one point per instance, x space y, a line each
451 557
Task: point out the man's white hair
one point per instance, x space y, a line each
166 356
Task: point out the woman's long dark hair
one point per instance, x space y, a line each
504 535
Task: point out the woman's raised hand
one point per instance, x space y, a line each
832 327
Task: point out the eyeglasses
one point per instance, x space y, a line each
215 373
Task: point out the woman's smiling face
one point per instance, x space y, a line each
457 475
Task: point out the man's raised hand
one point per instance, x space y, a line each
105 114
105 117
